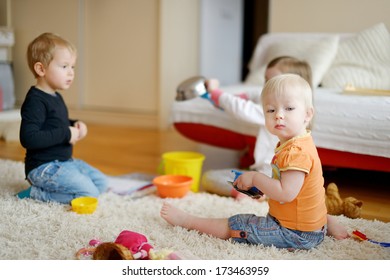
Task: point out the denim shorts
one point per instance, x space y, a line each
252 229
62 181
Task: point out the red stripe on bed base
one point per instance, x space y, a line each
228 139
222 138
214 136
339 159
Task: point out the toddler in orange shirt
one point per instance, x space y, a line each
297 217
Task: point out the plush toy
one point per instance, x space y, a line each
129 245
349 207
111 251
137 244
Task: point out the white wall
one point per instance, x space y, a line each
221 24
132 54
3 13
327 15
178 51
175 44
221 27
59 17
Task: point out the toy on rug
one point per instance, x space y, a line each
349 207
129 245
363 237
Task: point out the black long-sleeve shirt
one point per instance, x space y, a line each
44 130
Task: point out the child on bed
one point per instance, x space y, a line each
46 131
251 111
297 217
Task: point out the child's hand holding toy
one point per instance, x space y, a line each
252 192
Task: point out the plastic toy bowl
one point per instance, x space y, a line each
174 186
84 205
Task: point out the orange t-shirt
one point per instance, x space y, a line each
307 212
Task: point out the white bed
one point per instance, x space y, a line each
350 130
363 122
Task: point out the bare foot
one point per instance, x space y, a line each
335 229
338 233
173 215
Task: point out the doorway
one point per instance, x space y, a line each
255 25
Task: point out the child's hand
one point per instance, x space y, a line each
74 135
211 85
245 180
82 129
214 96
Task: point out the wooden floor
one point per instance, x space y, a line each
119 150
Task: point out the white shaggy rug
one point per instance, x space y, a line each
33 230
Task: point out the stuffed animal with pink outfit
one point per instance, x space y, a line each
137 244
129 245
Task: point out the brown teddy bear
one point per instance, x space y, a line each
349 207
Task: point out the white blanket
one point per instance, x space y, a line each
351 123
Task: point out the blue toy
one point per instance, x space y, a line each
363 237
252 192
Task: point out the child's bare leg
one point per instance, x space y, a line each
216 227
335 229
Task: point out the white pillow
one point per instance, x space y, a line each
318 52
362 61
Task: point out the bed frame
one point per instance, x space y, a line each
228 139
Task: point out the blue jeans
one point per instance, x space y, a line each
62 181
251 229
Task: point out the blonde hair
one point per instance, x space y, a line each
289 64
42 49
283 83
